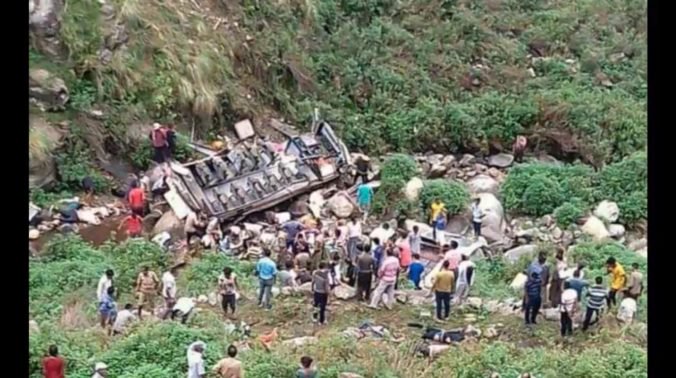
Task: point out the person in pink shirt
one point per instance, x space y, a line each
387 274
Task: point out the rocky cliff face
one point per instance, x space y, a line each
45 27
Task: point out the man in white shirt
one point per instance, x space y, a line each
195 360
354 235
169 290
123 319
183 308
105 282
568 308
465 278
383 233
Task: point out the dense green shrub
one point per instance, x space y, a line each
398 166
142 156
129 257
569 213
626 182
542 196
394 174
201 276
453 194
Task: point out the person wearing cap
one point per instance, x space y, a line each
195 360
160 143
100 370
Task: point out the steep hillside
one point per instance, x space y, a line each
392 75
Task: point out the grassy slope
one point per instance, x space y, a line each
393 75
62 305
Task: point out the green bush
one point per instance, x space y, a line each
398 166
569 213
201 276
395 172
142 156
542 196
130 257
453 194
626 182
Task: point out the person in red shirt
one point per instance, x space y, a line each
133 224
136 198
53 365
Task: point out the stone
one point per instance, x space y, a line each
305 288
616 230
49 90
44 139
493 223
33 234
546 220
483 184
595 228
557 233
501 160
472 331
492 305
474 302
551 314
202 299
88 216
44 27
33 326
519 282
300 341
458 224
349 375
341 205
493 172
514 254
413 188
170 223
607 211
437 171
344 292
491 332
638 244
244 129
480 167
470 318
435 350
448 161
466 160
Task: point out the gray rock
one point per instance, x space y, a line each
493 223
483 184
595 228
458 224
435 159
616 230
344 292
472 331
170 223
49 90
413 188
514 254
466 160
557 233
551 314
548 159
491 332
501 160
44 27
448 161
638 244
474 302
607 211
341 205
437 171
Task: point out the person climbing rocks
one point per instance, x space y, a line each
266 270
147 285
618 280
597 295
477 216
136 199
53 366
519 147
364 198
229 367
387 275
132 224
160 143
442 287
227 288
436 208
320 290
533 298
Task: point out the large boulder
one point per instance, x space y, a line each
44 26
437 171
341 205
493 223
170 223
607 211
514 254
44 139
48 90
413 188
501 160
595 228
616 230
344 292
483 184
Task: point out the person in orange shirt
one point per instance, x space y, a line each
136 198
133 224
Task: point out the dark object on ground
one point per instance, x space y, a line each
446 337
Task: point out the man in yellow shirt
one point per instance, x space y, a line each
442 286
436 208
618 280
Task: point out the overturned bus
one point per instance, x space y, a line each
253 175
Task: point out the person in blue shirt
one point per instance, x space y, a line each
415 271
377 254
533 301
108 308
266 270
364 197
577 284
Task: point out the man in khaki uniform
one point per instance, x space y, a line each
147 286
